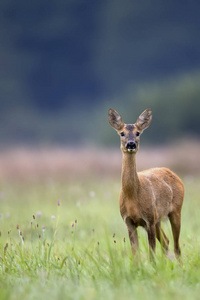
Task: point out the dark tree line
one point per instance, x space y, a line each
63 63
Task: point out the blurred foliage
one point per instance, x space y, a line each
175 103
64 63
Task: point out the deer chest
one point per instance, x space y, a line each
140 216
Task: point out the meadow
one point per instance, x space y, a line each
62 236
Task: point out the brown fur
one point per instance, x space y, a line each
147 197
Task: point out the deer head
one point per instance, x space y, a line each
129 133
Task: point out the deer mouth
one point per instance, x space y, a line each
131 150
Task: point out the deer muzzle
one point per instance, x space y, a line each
131 146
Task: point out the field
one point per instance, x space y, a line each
62 236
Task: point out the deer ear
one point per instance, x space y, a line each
115 119
144 119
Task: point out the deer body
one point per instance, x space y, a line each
147 197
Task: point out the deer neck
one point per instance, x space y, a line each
130 180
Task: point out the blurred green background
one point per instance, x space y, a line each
65 63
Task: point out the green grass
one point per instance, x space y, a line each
84 252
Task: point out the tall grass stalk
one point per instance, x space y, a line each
95 262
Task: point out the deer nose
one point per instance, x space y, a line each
131 145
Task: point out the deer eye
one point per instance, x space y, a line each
122 134
137 133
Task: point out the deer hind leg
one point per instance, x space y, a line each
161 236
151 231
175 220
132 232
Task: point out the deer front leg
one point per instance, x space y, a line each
151 231
132 232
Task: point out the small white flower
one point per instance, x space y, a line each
92 194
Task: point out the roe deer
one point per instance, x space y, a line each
149 196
